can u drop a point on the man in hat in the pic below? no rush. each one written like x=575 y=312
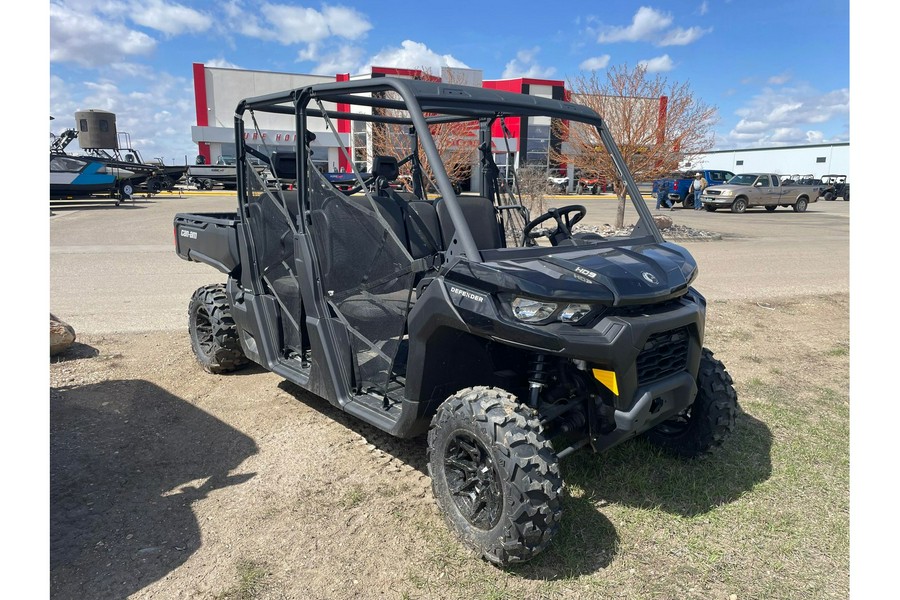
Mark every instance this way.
x=697 y=187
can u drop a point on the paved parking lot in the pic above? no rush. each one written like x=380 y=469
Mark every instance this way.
x=114 y=269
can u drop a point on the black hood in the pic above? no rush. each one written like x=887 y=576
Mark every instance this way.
x=613 y=275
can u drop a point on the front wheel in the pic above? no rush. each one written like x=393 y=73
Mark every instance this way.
x=800 y=205
x=706 y=422
x=739 y=205
x=214 y=335
x=495 y=477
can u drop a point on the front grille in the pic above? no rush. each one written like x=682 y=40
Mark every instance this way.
x=664 y=354
x=712 y=192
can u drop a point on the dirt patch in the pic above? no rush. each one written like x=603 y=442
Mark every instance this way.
x=168 y=482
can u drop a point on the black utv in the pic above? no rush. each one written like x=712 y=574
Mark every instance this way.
x=510 y=341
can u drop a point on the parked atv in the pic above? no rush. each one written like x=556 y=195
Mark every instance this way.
x=834 y=187
x=510 y=341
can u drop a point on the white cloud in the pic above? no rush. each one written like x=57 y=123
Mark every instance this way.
x=653 y=26
x=171 y=19
x=779 y=79
x=683 y=37
x=221 y=63
x=290 y=24
x=88 y=40
x=346 y=59
x=660 y=64
x=525 y=65
x=792 y=115
x=346 y=22
x=414 y=55
x=704 y=8
x=595 y=63
x=645 y=26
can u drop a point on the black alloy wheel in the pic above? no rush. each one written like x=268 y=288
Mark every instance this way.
x=494 y=475
x=473 y=480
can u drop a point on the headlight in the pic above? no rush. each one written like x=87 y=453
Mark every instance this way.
x=532 y=311
x=528 y=310
x=727 y=193
x=573 y=313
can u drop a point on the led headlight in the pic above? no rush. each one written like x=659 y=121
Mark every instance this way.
x=573 y=313
x=532 y=311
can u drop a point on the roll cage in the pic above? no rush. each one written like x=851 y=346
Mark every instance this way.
x=424 y=104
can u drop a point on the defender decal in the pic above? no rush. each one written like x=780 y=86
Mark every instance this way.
x=466 y=294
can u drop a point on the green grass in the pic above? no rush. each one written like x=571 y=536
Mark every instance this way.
x=766 y=516
x=251 y=578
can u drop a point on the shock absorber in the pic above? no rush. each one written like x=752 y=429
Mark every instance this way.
x=538 y=378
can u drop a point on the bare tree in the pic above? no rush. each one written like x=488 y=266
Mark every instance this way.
x=656 y=125
x=456 y=143
x=533 y=187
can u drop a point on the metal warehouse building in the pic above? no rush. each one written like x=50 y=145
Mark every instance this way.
x=812 y=159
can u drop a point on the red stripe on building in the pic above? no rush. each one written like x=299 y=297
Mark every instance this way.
x=661 y=120
x=201 y=107
x=343 y=125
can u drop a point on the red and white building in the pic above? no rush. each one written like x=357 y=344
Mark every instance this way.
x=217 y=92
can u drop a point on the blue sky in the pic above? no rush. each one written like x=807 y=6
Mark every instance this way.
x=778 y=72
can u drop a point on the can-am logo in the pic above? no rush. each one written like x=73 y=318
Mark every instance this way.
x=189 y=234
x=466 y=294
x=650 y=278
x=585 y=272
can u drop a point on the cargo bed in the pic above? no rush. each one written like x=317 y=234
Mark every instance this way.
x=209 y=238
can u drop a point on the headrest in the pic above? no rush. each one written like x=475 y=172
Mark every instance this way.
x=284 y=165
x=385 y=167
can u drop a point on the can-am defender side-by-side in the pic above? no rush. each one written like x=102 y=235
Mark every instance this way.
x=512 y=342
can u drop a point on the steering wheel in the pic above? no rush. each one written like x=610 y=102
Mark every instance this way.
x=564 y=224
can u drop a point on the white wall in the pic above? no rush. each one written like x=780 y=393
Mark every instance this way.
x=226 y=87
x=788 y=160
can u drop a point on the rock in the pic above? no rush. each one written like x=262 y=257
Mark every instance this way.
x=663 y=221
x=62 y=335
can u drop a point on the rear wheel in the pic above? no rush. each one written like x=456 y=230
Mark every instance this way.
x=214 y=336
x=800 y=205
x=154 y=186
x=739 y=205
x=706 y=422
x=495 y=477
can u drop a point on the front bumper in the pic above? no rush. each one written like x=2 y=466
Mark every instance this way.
x=717 y=200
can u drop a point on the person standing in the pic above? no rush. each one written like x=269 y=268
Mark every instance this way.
x=697 y=187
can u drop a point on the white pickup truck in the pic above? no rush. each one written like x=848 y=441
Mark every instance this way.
x=759 y=189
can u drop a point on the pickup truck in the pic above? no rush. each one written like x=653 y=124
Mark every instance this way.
x=680 y=184
x=759 y=189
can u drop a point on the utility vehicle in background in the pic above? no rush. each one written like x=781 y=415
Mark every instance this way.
x=510 y=341
x=834 y=187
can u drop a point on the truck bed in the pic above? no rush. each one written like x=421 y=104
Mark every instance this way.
x=209 y=238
